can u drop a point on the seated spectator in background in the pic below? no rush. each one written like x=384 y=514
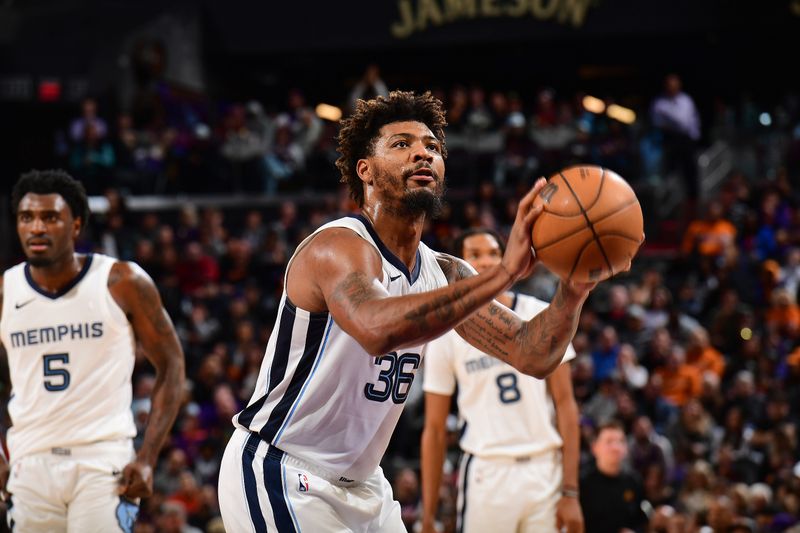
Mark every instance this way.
x=88 y=118
x=92 y=160
x=783 y=316
x=196 y=270
x=173 y=519
x=629 y=372
x=692 y=434
x=701 y=355
x=611 y=497
x=605 y=356
x=711 y=235
x=680 y=382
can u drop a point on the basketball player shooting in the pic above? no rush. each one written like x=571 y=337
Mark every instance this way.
x=362 y=297
x=69 y=325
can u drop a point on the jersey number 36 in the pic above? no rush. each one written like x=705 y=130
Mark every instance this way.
x=395 y=378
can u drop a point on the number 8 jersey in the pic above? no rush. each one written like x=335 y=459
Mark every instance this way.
x=70 y=358
x=503 y=412
x=320 y=396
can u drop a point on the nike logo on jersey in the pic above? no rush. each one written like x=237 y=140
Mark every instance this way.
x=23 y=304
x=394 y=278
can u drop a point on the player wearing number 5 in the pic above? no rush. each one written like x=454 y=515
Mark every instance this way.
x=509 y=434
x=362 y=298
x=69 y=326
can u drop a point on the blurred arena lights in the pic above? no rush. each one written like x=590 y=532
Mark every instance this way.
x=623 y=114
x=746 y=334
x=329 y=112
x=765 y=119
x=593 y=104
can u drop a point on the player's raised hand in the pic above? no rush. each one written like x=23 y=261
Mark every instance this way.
x=518 y=260
x=137 y=480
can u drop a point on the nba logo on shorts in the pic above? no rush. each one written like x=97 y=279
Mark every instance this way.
x=303 y=487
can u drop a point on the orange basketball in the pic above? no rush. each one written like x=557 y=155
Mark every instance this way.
x=591 y=226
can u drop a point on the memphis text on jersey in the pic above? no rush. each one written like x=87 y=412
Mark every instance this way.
x=30 y=337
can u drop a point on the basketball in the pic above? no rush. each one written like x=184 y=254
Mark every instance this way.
x=591 y=226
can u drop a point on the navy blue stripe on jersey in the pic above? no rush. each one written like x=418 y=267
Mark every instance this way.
x=250 y=487
x=273 y=481
x=66 y=288
x=464 y=479
x=388 y=255
x=314 y=334
x=280 y=360
x=514 y=300
x=305 y=385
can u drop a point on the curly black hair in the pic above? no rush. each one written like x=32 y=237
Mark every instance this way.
x=359 y=131
x=53 y=182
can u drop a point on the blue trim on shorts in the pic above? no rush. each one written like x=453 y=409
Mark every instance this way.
x=250 y=486
x=273 y=481
x=463 y=513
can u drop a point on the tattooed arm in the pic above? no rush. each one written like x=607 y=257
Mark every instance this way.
x=341 y=273
x=136 y=294
x=534 y=347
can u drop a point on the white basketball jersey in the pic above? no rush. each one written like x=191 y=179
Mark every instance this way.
x=320 y=396
x=70 y=357
x=503 y=412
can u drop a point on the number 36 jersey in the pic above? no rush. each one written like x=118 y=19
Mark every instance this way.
x=70 y=357
x=320 y=396
x=503 y=412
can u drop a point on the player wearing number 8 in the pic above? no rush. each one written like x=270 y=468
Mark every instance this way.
x=508 y=434
x=69 y=325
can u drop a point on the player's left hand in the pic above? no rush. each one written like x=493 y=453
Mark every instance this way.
x=137 y=480
x=569 y=516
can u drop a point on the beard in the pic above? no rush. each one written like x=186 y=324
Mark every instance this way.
x=418 y=201
x=423 y=202
x=40 y=262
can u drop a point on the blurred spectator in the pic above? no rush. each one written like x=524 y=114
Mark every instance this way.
x=91 y=160
x=173 y=519
x=605 y=356
x=611 y=497
x=88 y=119
x=711 y=235
x=369 y=86
x=676 y=117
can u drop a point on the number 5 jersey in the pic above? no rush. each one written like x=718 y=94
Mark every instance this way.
x=70 y=357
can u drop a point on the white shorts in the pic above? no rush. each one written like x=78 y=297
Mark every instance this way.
x=71 y=489
x=507 y=494
x=264 y=489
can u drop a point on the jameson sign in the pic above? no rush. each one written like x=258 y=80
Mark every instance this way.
x=419 y=15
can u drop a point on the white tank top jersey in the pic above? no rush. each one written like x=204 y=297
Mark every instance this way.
x=503 y=413
x=70 y=357
x=320 y=396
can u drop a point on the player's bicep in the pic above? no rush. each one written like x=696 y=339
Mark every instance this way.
x=492 y=329
x=151 y=324
x=348 y=272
